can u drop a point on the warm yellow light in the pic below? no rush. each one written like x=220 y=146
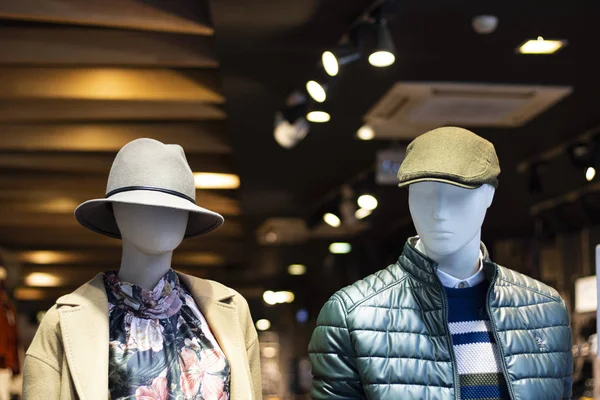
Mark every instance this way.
x=59 y=205
x=362 y=213
x=332 y=220
x=45 y=257
x=590 y=173
x=285 y=297
x=263 y=324
x=42 y=279
x=270 y=297
x=330 y=63
x=3 y=273
x=340 y=248
x=541 y=46
x=29 y=294
x=316 y=91
x=269 y=352
x=368 y=202
x=382 y=59
x=296 y=269
x=365 y=133
x=213 y=180
x=318 y=116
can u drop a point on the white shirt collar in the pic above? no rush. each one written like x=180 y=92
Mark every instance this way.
x=451 y=282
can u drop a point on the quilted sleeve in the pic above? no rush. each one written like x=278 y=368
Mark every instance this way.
x=568 y=381
x=335 y=375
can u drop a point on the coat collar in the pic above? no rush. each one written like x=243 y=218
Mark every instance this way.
x=424 y=269
x=84 y=329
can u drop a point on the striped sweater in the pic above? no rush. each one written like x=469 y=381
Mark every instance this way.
x=477 y=357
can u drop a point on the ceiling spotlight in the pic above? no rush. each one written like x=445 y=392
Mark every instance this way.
x=290 y=125
x=270 y=297
x=296 y=269
x=541 y=46
x=213 y=180
x=362 y=213
x=590 y=174
x=365 y=133
x=383 y=54
x=318 y=116
x=317 y=91
x=340 y=248
x=367 y=202
x=332 y=220
x=344 y=54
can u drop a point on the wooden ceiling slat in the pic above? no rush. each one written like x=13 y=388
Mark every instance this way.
x=200 y=138
x=102 y=47
x=101 y=110
x=121 y=84
x=96 y=163
x=128 y=14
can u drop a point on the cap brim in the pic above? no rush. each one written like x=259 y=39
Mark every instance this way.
x=441 y=180
x=97 y=214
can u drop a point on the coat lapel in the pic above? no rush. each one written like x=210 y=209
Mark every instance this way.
x=215 y=303
x=84 y=328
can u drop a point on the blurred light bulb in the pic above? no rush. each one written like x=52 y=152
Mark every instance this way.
x=318 y=116
x=330 y=63
x=297 y=269
x=332 y=220
x=365 y=133
x=270 y=297
x=590 y=174
x=362 y=213
x=382 y=59
x=367 y=202
x=340 y=248
x=263 y=324
x=316 y=91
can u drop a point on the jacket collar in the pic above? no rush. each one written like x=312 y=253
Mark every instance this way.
x=424 y=269
x=85 y=334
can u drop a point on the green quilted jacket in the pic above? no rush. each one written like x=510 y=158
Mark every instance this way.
x=386 y=336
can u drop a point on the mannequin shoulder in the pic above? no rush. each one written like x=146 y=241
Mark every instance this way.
x=354 y=294
x=524 y=282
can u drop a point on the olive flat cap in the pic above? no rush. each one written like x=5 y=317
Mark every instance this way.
x=450 y=155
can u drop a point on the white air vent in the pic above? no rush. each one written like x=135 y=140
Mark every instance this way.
x=410 y=109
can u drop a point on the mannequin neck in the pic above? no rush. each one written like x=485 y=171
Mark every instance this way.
x=461 y=264
x=142 y=269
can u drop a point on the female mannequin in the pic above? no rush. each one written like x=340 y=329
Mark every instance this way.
x=146 y=331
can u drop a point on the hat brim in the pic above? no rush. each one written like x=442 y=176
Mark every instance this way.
x=441 y=180
x=97 y=215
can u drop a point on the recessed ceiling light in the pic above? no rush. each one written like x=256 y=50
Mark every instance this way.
x=340 y=248
x=213 y=180
x=46 y=257
x=365 y=133
x=296 y=269
x=541 y=46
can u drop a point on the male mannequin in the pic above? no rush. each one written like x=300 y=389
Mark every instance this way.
x=444 y=322
x=146 y=331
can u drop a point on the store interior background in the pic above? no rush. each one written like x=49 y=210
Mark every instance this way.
x=79 y=79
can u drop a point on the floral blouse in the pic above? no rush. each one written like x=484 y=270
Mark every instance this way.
x=161 y=347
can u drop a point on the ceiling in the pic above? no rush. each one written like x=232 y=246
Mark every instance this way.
x=80 y=79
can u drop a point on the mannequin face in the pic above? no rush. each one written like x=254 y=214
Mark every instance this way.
x=447 y=217
x=152 y=230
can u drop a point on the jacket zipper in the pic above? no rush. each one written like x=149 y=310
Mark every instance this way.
x=497 y=337
x=449 y=337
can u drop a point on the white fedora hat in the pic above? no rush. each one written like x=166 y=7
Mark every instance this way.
x=150 y=173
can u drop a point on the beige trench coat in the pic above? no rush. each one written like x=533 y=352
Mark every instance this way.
x=68 y=358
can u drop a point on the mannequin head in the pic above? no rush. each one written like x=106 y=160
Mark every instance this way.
x=446 y=217
x=151 y=230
